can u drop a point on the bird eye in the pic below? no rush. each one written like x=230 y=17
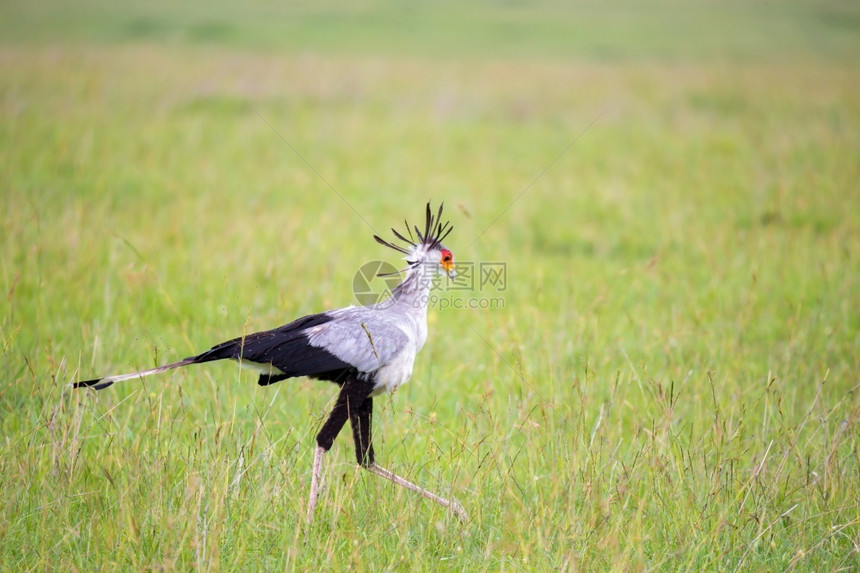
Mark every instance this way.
x=447 y=256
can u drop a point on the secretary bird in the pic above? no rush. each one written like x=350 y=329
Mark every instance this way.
x=365 y=350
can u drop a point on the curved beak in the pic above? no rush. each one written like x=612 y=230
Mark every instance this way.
x=448 y=267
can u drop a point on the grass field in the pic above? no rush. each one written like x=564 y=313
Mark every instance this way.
x=669 y=383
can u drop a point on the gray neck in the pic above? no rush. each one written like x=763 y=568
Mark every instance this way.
x=414 y=291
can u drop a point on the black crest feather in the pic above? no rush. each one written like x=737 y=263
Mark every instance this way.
x=434 y=233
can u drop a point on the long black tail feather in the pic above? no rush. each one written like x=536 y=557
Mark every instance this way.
x=96 y=384
x=102 y=383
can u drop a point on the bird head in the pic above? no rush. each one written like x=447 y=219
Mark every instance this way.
x=428 y=248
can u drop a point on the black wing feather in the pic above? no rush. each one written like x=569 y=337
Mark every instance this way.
x=285 y=350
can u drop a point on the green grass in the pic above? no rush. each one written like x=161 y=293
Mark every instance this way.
x=672 y=382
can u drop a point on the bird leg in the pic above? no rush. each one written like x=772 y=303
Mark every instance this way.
x=315 y=482
x=355 y=404
x=451 y=504
x=360 y=419
x=352 y=394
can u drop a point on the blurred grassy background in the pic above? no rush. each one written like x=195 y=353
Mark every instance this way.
x=672 y=382
x=590 y=29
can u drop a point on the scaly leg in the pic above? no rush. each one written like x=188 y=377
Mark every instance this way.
x=315 y=482
x=451 y=504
